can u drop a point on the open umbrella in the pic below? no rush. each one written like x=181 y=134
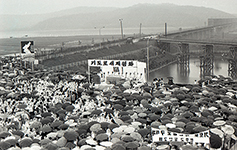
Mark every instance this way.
x=118 y=107
x=71 y=135
x=81 y=132
x=50 y=118
x=45 y=121
x=63 y=126
x=56 y=123
x=144 y=132
x=70 y=108
x=144 y=148
x=101 y=137
x=118 y=147
x=227 y=129
x=51 y=146
x=12 y=142
x=215 y=141
x=125 y=118
x=219 y=123
x=127 y=138
x=104 y=125
x=61 y=142
x=36 y=125
x=91 y=142
x=45 y=114
x=4 y=145
x=155 y=124
x=131 y=145
x=112 y=126
x=70 y=145
x=25 y=142
x=18 y=133
x=4 y=134
x=153 y=117
x=95 y=127
x=136 y=136
x=217 y=132
x=143 y=121
x=83 y=126
x=46 y=129
x=199 y=129
x=96 y=112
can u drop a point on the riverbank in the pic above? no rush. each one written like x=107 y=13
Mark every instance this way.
x=13 y=45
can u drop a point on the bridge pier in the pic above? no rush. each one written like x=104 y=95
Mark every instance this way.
x=232 y=66
x=183 y=59
x=206 y=61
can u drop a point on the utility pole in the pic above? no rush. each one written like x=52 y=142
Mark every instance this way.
x=165 y=29
x=121 y=25
x=147 y=59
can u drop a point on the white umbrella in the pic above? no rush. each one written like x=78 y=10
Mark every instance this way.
x=91 y=142
x=217 y=132
x=227 y=129
x=85 y=147
x=78 y=77
x=219 y=123
x=212 y=108
x=170 y=125
x=97 y=147
x=106 y=144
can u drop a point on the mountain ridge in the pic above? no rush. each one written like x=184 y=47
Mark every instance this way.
x=150 y=15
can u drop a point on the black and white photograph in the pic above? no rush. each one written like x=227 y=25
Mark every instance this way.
x=118 y=75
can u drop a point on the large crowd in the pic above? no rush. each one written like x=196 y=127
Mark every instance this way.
x=61 y=110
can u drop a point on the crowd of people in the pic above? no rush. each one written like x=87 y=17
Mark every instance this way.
x=61 y=110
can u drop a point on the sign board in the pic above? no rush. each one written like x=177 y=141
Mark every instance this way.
x=114 y=63
x=159 y=135
x=124 y=69
x=26 y=47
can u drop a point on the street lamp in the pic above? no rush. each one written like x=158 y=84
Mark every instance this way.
x=100 y=30
x=147 y=60
x=121 y=25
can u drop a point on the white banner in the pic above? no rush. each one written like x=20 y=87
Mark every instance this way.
x=115 y=63
x=193 y=139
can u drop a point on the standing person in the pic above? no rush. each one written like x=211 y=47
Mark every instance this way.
x=161 y=82
x=170 y=80
x=195 y=81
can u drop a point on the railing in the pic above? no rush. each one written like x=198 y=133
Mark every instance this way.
x=83 y=62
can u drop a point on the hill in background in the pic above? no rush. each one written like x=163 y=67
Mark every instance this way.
x=150 y=15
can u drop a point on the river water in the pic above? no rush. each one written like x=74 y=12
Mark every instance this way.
x=220 y=67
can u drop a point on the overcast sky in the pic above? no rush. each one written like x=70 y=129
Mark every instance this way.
x=46 y=6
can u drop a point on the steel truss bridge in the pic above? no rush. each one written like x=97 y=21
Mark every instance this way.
x=202 y=36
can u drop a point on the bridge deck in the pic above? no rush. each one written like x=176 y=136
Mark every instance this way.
x=206 y=42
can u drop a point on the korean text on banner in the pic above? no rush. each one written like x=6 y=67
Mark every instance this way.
x=193 y=139
x=114 y=63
